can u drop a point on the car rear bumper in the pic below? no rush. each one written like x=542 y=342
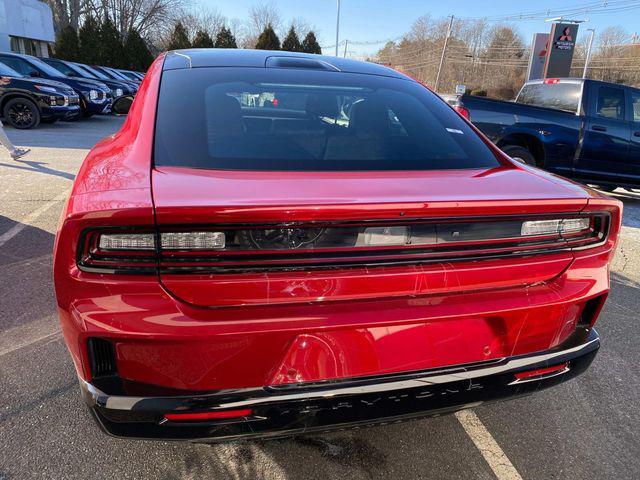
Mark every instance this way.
x=347 y=403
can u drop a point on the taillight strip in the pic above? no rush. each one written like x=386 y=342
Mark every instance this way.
x=238 y=248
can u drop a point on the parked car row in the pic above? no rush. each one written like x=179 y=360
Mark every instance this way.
x=35 y=90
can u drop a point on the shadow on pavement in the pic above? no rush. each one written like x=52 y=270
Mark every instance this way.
x=26 y=290
x=38 y=167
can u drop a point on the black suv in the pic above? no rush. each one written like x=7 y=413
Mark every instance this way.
x=76 y=70
x=95 y=96
x=25 y=102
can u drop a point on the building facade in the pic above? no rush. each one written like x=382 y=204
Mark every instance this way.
x=26 y=26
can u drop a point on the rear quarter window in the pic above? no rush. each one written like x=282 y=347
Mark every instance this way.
x=560 y=96
x=292 y=119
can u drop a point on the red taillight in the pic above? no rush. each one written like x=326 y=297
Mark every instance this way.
x=463 y=111
x=551 y=81
x=205 y=416
x=540 y=373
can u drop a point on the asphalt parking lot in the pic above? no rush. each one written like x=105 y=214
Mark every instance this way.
x=583 y=429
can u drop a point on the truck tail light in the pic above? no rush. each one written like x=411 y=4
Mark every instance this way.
x=233 y=248
x=463 y=111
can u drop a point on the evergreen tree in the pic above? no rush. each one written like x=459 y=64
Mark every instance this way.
x=291 y=43
x=67 y=47
x=136 y=52
x=202 y=40
x=179 y=38
x=89 y=40
x=111 y=52
x=268 y=40
x=310 y=44
x=225 y=39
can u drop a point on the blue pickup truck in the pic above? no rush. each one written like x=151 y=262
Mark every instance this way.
x=582 y=129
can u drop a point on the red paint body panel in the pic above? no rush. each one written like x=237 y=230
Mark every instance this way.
x=211 y=332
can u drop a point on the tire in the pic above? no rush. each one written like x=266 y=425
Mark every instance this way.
x=520 y=154
x=21 y=113
x=84 y=113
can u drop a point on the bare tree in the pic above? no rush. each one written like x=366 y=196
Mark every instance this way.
x=301 y=26
x=238 y=29
x=476 y=55
x=208 y=20
x=262 y=15
x=145 y=16
x=68 y=12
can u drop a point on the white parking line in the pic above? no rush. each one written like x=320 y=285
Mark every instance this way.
x=18 y=227
x=13 y=348
x=502 y=467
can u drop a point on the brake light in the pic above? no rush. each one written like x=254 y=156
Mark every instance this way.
x=463 y=111
x=234 y=248
x=204 y=416
x=540 y=373
x=551 y=81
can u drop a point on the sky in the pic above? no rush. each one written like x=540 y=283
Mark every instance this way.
x=374 y=20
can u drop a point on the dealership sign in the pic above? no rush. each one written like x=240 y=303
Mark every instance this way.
x=539 y=48
x=562 y=42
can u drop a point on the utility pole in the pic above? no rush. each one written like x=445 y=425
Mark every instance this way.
x=444 y=50
x=337 y=26
x=346 y=42
x=588 y=56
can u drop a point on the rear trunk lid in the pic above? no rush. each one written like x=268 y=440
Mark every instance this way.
x=197 y=198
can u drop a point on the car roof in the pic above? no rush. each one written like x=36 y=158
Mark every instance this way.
x=18 y=55
x=233 y=57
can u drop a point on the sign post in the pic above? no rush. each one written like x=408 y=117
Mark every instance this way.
x=539 y=49
x=562 y=42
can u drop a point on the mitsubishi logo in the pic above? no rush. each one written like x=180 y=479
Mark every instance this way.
x=566 y=35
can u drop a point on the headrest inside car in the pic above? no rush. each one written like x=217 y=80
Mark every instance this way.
x=225 y=115
x=322 y=105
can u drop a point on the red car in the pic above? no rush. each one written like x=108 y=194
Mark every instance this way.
x=278 y=243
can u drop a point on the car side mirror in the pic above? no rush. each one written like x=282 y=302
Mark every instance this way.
x=122 y=105
x=34 y=73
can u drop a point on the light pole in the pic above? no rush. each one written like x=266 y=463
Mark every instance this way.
x=444 y=51
x=337 y=25
x=588 y=56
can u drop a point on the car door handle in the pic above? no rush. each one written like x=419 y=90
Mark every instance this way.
x=599 y=128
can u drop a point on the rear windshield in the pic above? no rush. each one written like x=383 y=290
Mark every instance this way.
x=561 y=96
x=293 y=119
